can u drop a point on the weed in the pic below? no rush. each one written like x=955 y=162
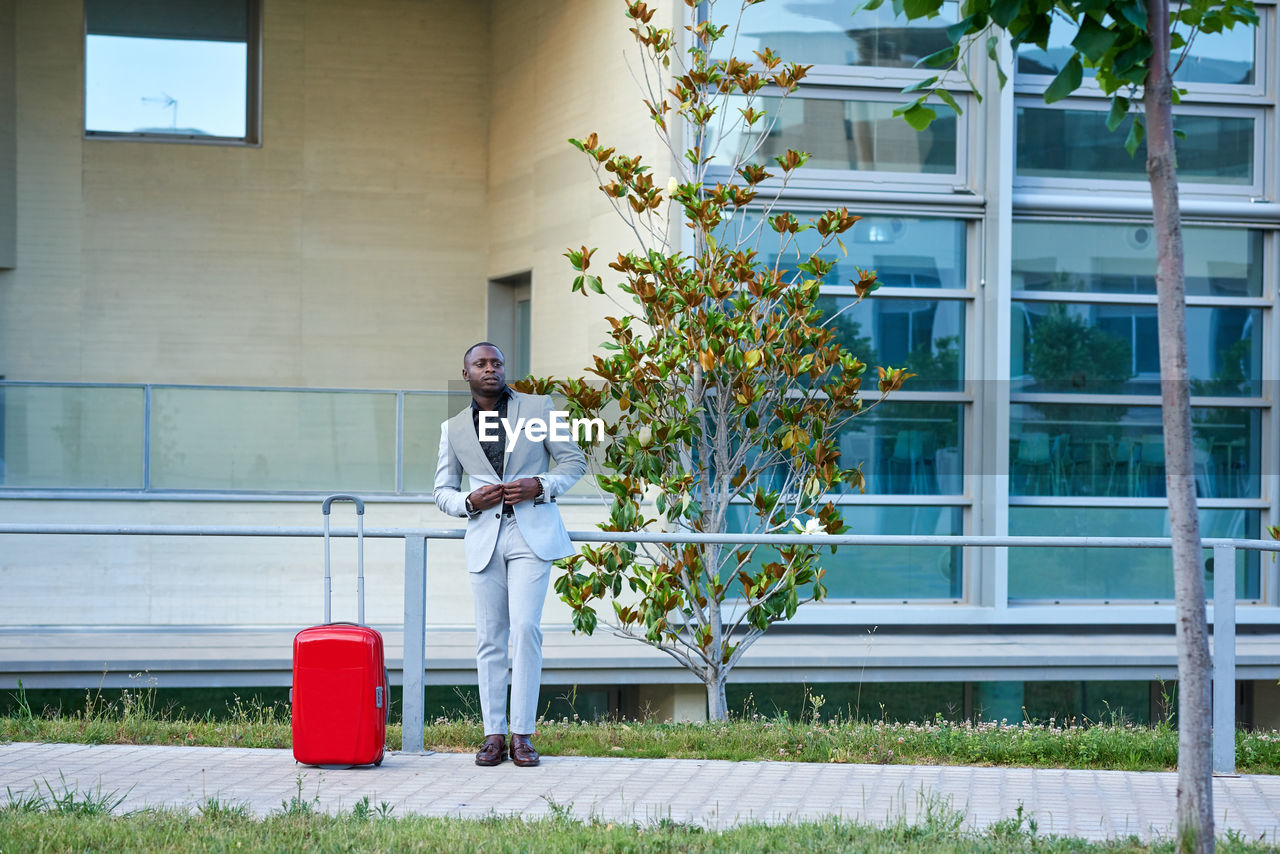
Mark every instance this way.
x=24 y=802
x=299 y=807
x=72 y=801
x=214 y=809
x=1021 y=826
x=559 y=812
x=24 y=707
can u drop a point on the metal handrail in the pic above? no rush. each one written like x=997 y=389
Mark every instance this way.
x=415 y=588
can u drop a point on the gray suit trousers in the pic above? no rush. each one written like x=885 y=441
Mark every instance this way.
x=509 y=593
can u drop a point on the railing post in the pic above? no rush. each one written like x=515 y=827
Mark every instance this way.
x=1224 y=659
x=413 y=702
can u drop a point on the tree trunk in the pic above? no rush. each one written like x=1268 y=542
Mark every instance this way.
x=1195 y=791
x=717 y=705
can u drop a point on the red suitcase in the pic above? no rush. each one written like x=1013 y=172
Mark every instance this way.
x=340 y=694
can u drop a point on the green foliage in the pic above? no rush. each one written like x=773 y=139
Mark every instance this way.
x=816 y=734
x=1109 y=37
x=724 y=381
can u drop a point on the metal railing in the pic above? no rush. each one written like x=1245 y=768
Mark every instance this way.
x=415 y=589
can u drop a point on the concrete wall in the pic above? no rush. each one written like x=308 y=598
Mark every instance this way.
x=8 y=138
x=560 y=70
x=347 y=250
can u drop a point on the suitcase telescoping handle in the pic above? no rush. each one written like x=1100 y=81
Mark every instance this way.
x=328 y=580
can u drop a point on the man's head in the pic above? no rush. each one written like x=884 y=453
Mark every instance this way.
x=484 y=369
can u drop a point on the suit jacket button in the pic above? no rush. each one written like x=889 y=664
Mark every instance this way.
x=497 y=515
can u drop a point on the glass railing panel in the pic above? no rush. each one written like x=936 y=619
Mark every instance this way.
x=278 y=441
x=1140 y=575
x=71 y=437
x=423 y=415
x=883 y=572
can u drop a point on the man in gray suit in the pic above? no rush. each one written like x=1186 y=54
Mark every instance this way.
x=514 y=531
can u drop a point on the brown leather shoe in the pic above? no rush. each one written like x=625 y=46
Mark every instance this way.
x=522 y=752
x=493 y=751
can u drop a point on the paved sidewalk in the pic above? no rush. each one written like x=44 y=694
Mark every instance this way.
x=713 y=793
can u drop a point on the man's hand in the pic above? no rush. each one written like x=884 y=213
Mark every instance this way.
x=484 y=497
x=520 y=490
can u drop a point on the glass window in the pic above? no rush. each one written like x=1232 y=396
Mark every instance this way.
x=1118 y=451
x=1222 y=58
x=1116 y=574
x=1105 y=348
x=182 y=68
x=884 y=572
x=75 y=437
x=1076 y=144
x=926 y=336
x=1120 y=258
x=905 y=252
x=273 y=440
x=825 y=34
x=908 y=448
x=858 y=135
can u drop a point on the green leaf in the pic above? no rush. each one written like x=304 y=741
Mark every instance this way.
x=993 y=44
x=921 y=84
x=940 y=58
x=1004 y=11
x=1136 y=132
x=917 y=115
x=1067 y=81
x=1135 y=12
x=1179 y=134
x=1119 y=109
x=1132 y=58
x=921 y=8
x=1093 y=40
x=949 y=100
x=959 y=28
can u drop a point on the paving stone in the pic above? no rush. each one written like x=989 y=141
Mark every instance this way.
x=1091 y=804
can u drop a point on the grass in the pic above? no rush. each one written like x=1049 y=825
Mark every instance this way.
x=230 y=827
x=133 y=718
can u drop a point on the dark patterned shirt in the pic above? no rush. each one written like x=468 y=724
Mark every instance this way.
x=495 y=448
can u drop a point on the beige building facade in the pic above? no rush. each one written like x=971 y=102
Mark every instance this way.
x=220 y=331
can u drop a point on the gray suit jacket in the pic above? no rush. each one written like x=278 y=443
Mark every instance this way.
x=539 y=518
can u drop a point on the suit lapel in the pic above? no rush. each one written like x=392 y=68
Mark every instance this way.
x=462 y=435
x=513 y=418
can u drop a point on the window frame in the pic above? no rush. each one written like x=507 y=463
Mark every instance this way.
x=253 y=95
